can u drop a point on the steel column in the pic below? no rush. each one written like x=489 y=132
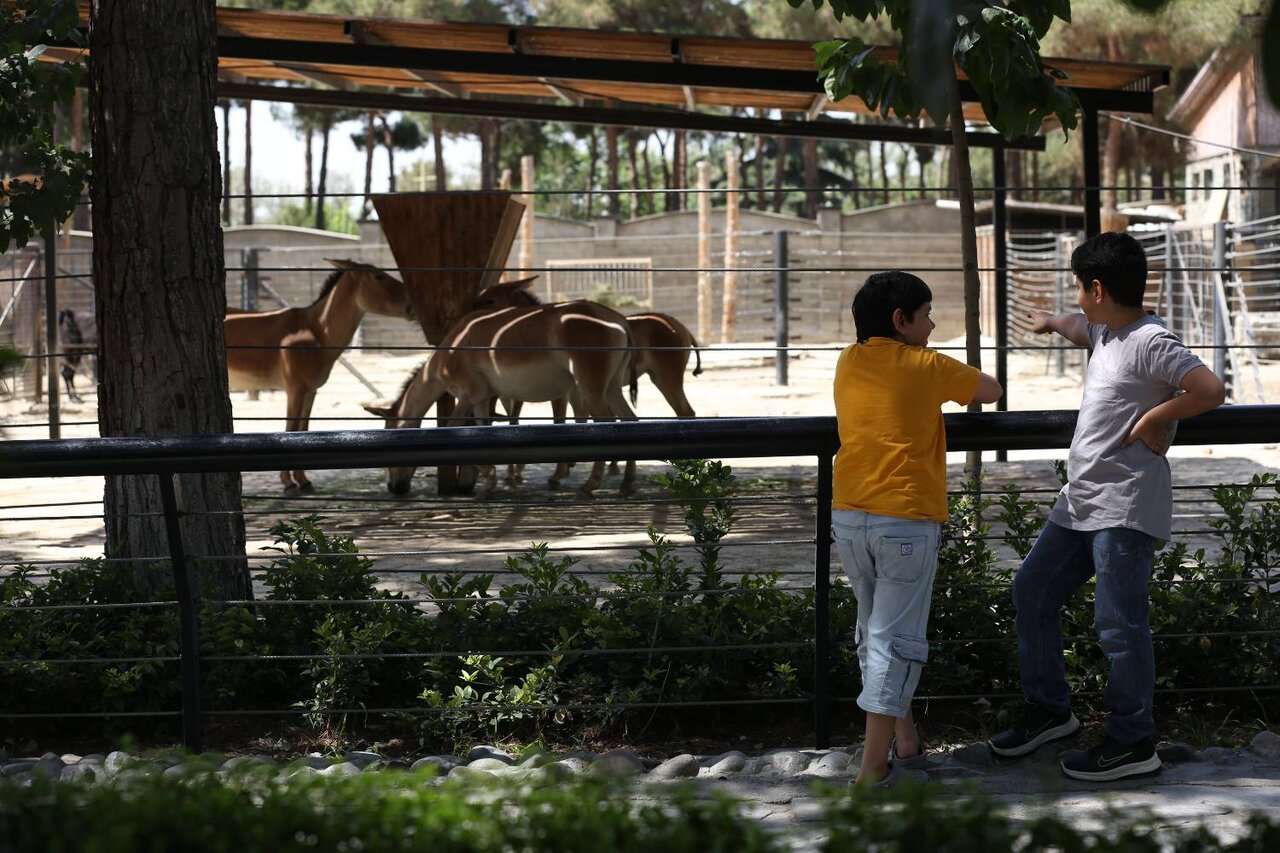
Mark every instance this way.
x=51 y=327
x=781 y=305
x=1092 y=173
x=188 y=624
x=1000 y=227
x=822 y=605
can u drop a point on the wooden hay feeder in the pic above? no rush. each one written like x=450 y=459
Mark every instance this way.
x=449 y=246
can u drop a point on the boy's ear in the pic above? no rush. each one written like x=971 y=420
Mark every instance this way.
x=899 y=319
x=1096 y=290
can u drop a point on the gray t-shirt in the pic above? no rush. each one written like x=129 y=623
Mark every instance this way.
x=1131 y=371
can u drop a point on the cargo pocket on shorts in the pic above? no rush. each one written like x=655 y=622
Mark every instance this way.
x=909 y=656
x=901 y=558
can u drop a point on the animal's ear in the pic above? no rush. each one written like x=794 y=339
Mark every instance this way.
x=341 y=263
x=524 y=283
x=377 y=410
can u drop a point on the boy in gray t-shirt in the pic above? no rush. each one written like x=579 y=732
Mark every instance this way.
x=1109 y=519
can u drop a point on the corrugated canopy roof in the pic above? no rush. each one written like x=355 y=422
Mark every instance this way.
x=363 y=60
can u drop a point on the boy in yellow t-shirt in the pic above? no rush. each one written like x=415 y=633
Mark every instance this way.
x=890 y=498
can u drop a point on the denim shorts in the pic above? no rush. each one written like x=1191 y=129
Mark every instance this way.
x=891 y=564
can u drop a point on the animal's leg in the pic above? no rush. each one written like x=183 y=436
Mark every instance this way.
x=619 y=407
x=672 y=389
x=515 y=473
x=598 y=406
x=308 y=401
x=558 y=408
x=69 y=377
x=480 y=411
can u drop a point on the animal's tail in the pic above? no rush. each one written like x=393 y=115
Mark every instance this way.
x=697 y=354
x=634 y=377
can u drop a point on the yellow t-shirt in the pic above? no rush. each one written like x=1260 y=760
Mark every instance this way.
x=892 y=458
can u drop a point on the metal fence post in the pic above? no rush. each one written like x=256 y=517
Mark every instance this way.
x=51 y=327
x=1219 y=303
x=188 y=624
x=782 y=304
x=822 y=605
x=249 y=279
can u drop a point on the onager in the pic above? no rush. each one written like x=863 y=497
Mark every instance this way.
x=569 y=350
x=295 y=348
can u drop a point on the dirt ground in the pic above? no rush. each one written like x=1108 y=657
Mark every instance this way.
x=52 y=521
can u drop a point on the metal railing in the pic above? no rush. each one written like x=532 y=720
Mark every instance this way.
x=168 y=458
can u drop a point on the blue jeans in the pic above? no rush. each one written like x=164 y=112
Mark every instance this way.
x=890 y=563
x=1060 y=563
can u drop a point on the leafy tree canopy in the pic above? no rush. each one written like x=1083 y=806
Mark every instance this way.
x=30 y=87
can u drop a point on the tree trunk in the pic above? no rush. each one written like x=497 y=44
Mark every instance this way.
x=884 y=171
x=855 y=178
x=591 y=171
x=611 y=205
x=682 y=170
x=80 y=218
x=308 y=186
x=437 y=148
x=811 y=194
x=226 y=162
x=160 y=282
x=968 y=252
x=779 y=172
x=635 y=175
x=486 y=155
x=389 y=140
x=760 y=197
x=248 y=162
x=668 y=199
x=495 y=153
x=1157 y=183
x=326 y=126
x=366 y=205
x=650 y=200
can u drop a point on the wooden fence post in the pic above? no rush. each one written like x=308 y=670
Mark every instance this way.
x=729 y=304
x=704 y=250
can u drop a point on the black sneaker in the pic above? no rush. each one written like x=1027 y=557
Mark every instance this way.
x=1034 y=727
x=1112 y=760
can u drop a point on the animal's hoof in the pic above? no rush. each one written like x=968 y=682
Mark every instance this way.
x=627 y=489
x=553 y=485
x=308 y=487
x=513 y=481
x=586 y=493
x=292 y=490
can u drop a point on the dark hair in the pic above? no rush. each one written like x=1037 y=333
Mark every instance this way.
x=880 y=296
x=1118 y=261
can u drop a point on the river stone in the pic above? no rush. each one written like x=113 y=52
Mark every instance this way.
x=618 y=762
x=363 y=758
x=314 y=760
x=442 y=763
x=117 y=761
x=787 y=761
x=48 y=765
x=1266 y=744
x=342 y=768
x=538 y=758
x=1220 y=755
x=79 y=773
x=494 y=764
x=831 y=763
x=485 y=750
x=728 y=762
x=175 y=771
x=573 y=764
x=238 y=764
x=93 y=758
x=301 y=771
x=679 y=767
x=975 y=755
x=1178 y=753
x=17 y=768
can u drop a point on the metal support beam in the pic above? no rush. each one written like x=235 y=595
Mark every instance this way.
x=816 y=107
x=1092 y=173
x=360 y=33
x=1000 y=230
x=188 y=620
x=781 y=306
x=617 y=116
x=51 y=344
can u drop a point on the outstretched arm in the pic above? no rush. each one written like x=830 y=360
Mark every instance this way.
x=1073 y=327
x=1202 y=391
x=989 y=389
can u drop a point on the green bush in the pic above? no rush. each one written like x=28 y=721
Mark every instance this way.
x=262 y=809
x=486 y=662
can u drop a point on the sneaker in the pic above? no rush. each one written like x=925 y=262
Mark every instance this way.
x=1035 y=727
x=919 y=761
x=896 y=777
x=1112 y=760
